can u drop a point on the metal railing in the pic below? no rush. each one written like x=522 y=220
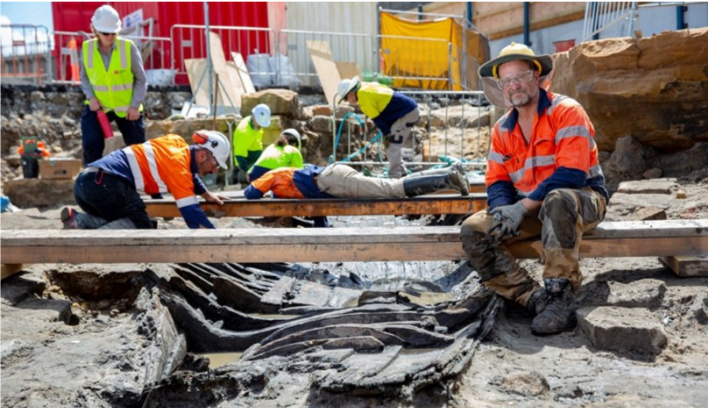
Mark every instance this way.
x=155 y=53
x=189 y=42
x=599 y=16
x=25 y=54
x=414 y=60
x=472 y=108
x=347 y=47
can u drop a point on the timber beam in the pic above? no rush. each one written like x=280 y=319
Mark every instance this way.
x=609 y=239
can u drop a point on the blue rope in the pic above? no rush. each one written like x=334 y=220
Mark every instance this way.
x=378 y=137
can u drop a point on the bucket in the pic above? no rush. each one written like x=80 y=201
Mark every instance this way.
x=30 y=167
x=563 y=45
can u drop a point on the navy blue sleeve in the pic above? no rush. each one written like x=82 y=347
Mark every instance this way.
x=242 y=163
x=252 y=193
x=194 y=217
x=382 y=125
x=500 y=193
x=563 y=177
x=199 y=187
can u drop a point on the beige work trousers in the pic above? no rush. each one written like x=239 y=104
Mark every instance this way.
x=340 y=180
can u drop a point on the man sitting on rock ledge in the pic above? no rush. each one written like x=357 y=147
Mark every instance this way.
x=544 y=179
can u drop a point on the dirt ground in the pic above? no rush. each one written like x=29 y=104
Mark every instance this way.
x=60 y=352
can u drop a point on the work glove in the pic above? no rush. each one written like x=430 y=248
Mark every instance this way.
x=507 y=220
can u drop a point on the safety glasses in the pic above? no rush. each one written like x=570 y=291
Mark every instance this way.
x=108 y=34
x=519 y=79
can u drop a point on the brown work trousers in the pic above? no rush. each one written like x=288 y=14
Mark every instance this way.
x=561 y=221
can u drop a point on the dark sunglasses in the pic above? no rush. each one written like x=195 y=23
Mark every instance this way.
x=107 y=34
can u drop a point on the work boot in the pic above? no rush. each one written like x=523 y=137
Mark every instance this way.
x=73 y=219
x=415 y=186
x=537 y=302
x=559 y=313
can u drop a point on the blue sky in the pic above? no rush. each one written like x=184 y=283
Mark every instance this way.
x=25 y=12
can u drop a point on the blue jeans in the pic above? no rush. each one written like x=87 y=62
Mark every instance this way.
x=110 y=197
x=133 y=132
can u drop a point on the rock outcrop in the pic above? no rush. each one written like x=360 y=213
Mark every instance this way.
x=651 y=88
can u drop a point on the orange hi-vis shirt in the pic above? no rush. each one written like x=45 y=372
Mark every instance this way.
x=562 y=136
x=162 y=165
x=280 y=181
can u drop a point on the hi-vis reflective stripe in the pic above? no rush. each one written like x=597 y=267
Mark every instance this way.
x=572 y=131
x=123 y=57
x=183 y=202
x=100 y=88
x=135 y=169
x=121 y=108
x=595 y=171
x=125 y=87
x=556 y=101
x=122 y=52
x=531 y=162
x=91 y=52
x=496 y=157
x=150 y=156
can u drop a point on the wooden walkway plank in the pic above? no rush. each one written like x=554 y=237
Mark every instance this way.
x=423 y=205
x=610 y=239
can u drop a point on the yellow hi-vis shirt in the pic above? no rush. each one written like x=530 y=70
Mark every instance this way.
x=373 y=98
x=113 y=87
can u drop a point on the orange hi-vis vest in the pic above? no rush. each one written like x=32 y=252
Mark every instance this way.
x=562 y=136
x=162 y=165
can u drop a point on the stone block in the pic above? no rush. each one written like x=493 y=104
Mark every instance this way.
x=623 y=329
x=280 y=101
x=642 y=293
x=17 y=288
x=25 y=193
x=654 y=186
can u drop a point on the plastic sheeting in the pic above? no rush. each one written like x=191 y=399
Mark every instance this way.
x=435 y=49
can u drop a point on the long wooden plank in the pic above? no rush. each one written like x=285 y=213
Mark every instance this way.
x=9 y=270
x=628 y=239
x=243 y=73
x=195 y=69
x=687 y=266
x=427 y=205
x=228 y=91
x=325 y=66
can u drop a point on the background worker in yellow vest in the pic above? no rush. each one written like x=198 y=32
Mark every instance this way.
x=394 y=114
x=284 y=152
x=248 y=141
x=113 y=79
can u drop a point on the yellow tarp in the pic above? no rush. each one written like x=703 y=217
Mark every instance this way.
x=420 y=52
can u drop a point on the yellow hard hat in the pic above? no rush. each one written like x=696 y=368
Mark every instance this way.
x=512 y=52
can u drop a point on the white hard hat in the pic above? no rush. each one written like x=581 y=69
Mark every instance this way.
x=346 y=86
x=215 y=142
x=295 y=133
x=106 y=20
x=261 y=113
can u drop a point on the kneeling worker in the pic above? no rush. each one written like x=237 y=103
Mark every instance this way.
x=339 y=180
x=108 y=190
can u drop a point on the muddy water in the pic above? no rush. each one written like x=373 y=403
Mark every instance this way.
x=220 y=359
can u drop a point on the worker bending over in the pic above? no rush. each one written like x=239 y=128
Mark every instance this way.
x=393 y=113
x=248 y=141
x=284 y=152
x=108 y=190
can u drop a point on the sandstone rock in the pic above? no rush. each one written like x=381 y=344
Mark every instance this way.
x=623 y=329
x=681 y=194
x=280 y=101
x=628 y=161
x=321 y=124
x=656 y=186
x=653 y=173
x=527 y=383
x=325 y=110
x=26 y=193
x=187 y=127
x=652 y=88
x=643 y=293
x=459 y=116
x=681 y=163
